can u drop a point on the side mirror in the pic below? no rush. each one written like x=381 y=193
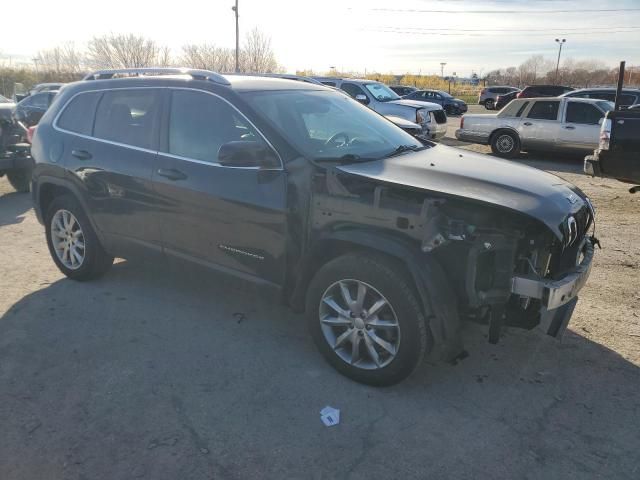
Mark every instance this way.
x=362 y=98
x=245 y=153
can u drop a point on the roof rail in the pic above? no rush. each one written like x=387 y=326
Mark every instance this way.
x=195 y=73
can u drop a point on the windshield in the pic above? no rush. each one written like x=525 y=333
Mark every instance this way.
x=326 y=125
x=381 y=92
x=606 y=106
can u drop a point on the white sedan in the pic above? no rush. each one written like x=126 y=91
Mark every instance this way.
x=545 y=124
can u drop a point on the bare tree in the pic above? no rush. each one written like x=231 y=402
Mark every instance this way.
x=125 y=51
x=208 y=57
x=257 y=55
x=61 y=60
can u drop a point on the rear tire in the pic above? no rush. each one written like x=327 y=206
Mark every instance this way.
x=20 y=180
x=72 y=242
x=505 y=144
x=390 y=339
x=489 y=104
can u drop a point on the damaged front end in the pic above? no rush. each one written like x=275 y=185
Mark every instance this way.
x=508 y=270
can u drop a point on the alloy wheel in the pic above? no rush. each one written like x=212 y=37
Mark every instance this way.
x=68 y=239
x=359 y=324
x=505 y=143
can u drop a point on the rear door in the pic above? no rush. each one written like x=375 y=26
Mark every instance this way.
x=539 y=128
x=231 y=218
x=580 y=128
x=113 y=156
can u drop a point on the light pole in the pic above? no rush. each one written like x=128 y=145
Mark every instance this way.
x=442 y=64
x=560 y=42
x=235 y=9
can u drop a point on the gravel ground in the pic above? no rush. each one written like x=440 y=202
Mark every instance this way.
x=168 y=372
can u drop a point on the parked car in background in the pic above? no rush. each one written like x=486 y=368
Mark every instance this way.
x=385 y=243
x=40 y=87
x=30 y=110
x=453 y=106
x=547 y=124
x=377 y=96
x=618 y=153
x=503 y=100
x=15 y=160
x=403 y=90
x=629 y=97
x=489 y=95
x=533 y=91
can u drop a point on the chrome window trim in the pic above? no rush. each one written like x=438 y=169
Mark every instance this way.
x=158 y=151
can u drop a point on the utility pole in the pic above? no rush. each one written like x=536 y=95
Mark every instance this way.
x=560 y=42
x=442 y=64
x=235 y=9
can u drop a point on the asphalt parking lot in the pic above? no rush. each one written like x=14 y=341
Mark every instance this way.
x=167 y=372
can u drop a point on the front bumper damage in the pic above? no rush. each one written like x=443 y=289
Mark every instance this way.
x=558 y=297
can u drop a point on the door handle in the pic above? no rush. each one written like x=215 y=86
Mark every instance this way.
x=81 y=154
x=527 y=124
x=171 y=174
x=570 y=127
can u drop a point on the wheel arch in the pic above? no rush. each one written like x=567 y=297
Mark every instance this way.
x=49 y=188
x=504 y=129
x=429 y=281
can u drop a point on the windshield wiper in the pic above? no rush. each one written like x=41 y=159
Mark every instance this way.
x=403 y=149
x=349 y=157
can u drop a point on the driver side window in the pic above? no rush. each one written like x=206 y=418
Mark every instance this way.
x=199 y=124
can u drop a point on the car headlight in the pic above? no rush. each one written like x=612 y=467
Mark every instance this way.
x=422 y=116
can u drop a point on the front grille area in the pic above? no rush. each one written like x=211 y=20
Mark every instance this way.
x=440 y=116
x=564 y=258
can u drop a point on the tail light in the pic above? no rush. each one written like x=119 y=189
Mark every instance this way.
x=519 y=95
x=462 y=122
x=483 y=91
x=605 y=134
x=30 y=133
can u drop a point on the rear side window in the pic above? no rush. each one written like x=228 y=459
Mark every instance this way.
x=513 y=109
x=544 y=110
x=78 y=116
x=199 y=124
x=578 y=112
x=128 y=116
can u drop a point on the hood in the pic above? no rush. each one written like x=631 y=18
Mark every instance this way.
x=453 y=172
x=416 y=104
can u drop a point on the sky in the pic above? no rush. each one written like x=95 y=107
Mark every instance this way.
x=412 y=36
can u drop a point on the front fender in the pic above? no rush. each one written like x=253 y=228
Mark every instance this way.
x=437 y=296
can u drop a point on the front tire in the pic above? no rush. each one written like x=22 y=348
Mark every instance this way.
x=505 y=144
x=20 y=180
x=365 y=319
x=489 y=104
x=72 y=242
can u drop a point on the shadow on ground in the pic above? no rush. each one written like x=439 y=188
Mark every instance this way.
x=173 y=373
x=13 y=206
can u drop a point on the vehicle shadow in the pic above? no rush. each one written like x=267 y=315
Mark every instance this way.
x=172 y=372
x=13 y=206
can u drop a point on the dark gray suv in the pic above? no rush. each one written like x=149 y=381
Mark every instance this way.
x=385 y=242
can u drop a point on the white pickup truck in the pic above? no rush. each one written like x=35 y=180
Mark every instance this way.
x=546 y=124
